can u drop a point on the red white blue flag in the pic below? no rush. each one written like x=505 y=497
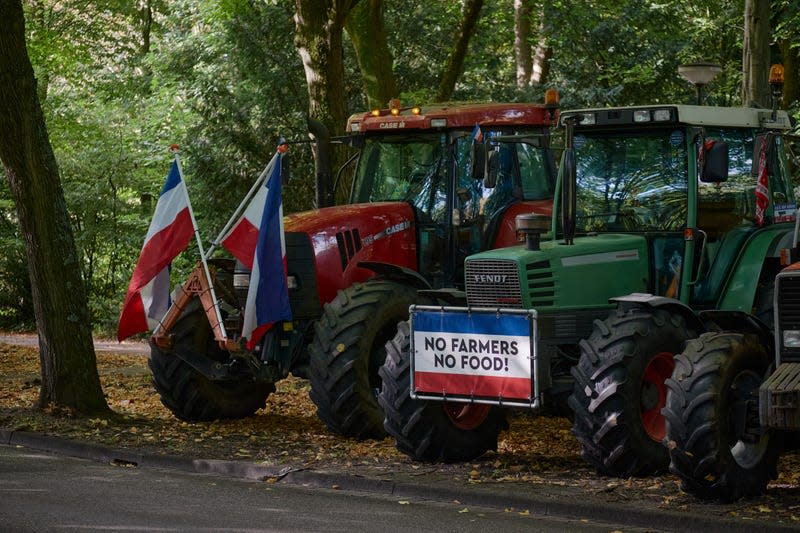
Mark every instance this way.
x=170 y=231
x=477 y=134
x=268 y=294
x=762 y=184
x=242 y=238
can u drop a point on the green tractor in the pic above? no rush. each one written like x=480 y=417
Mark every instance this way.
x=664 y=212
x=733 y=401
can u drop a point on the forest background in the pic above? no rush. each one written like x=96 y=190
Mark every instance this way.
x=121 y=81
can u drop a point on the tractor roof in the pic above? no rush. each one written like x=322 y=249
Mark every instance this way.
x=656 y=115
x=453 y=115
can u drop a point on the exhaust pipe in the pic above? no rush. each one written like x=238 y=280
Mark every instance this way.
x=322 y=162
x=569 y=182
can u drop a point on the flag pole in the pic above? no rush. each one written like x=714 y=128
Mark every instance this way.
x=174 y=149
x=243 y=205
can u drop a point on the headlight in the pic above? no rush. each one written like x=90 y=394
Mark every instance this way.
x=661 y=115
x=791 y=338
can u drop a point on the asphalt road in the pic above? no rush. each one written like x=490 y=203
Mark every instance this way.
x=43 y=492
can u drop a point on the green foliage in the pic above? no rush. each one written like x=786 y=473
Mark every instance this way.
x=16 y=306
x=629 y=51
x=236 y=68
x=223 y=80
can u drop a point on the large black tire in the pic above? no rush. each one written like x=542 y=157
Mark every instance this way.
x=185 y=391
x=619 y=390
x=347 y=351
x=431 y=430
x=715 y=444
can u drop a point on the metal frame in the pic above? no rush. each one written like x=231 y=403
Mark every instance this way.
x=534 y=401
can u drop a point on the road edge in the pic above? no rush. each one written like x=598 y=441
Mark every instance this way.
x=555 y=501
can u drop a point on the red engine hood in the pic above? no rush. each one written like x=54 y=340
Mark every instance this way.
x=341 y=236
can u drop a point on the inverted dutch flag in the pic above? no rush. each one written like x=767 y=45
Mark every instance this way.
x=268 y=294
x=477 y=134
x=169 y=234
x=242 y=238
x=762 y=184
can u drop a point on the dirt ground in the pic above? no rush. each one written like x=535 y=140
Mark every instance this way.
x=287 y=433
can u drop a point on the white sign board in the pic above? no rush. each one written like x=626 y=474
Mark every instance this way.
x=473 y=354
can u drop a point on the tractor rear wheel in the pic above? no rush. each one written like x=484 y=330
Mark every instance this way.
x=186 y=392
x=619 y=390
x=347 y=351
x=716 y=445
x=430 y=430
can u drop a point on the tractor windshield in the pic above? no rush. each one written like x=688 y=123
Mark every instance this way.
x=634 y=181
x=414 y=168
x=524 y=170
x=398 y=168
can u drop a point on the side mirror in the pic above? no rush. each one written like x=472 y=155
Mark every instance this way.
x=478 y=169
x=352 y=141
x=492 y=169
x=715 y=167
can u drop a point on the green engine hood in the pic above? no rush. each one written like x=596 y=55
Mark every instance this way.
x=558 y=276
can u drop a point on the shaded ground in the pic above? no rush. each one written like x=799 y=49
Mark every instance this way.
x=286 y=433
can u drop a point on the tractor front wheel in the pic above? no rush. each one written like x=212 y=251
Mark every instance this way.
x=347 y=351
x=189 y=394
x=716 y=445
x=619 y=390
x=430 y=430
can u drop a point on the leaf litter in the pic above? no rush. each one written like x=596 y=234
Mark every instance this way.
x=537 y=452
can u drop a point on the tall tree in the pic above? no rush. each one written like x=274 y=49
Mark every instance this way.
x=522 y=44
x=455 y=62
x=791 y=64
x=532 y=61
x=367 y=31
x=318 y=37
x=787 y=34
x=755 y=53
x=146 y=24
x=67 y=358
x=320 y=24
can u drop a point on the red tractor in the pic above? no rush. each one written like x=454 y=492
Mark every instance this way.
x=421 y=201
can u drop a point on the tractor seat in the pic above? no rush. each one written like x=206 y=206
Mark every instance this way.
x=718 y=218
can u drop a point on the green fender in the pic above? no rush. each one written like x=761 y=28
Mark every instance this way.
x=740 y=291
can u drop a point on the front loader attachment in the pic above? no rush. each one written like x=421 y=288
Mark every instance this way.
x=196 y=285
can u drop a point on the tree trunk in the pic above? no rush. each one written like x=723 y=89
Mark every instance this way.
x=319 y=41
x=755 y=54
x=69 y=368
x=455 y=62
x=146 y=22
x=522 y=44
x=540 y=70
x=318 y=37
x=533 y=64
x=365 y=26
x=791 y=65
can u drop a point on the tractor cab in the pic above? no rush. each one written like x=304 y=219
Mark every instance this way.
x=459 y=175
x=695 y=183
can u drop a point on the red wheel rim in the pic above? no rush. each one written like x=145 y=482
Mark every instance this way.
x=466 y=416
x=654 y=394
